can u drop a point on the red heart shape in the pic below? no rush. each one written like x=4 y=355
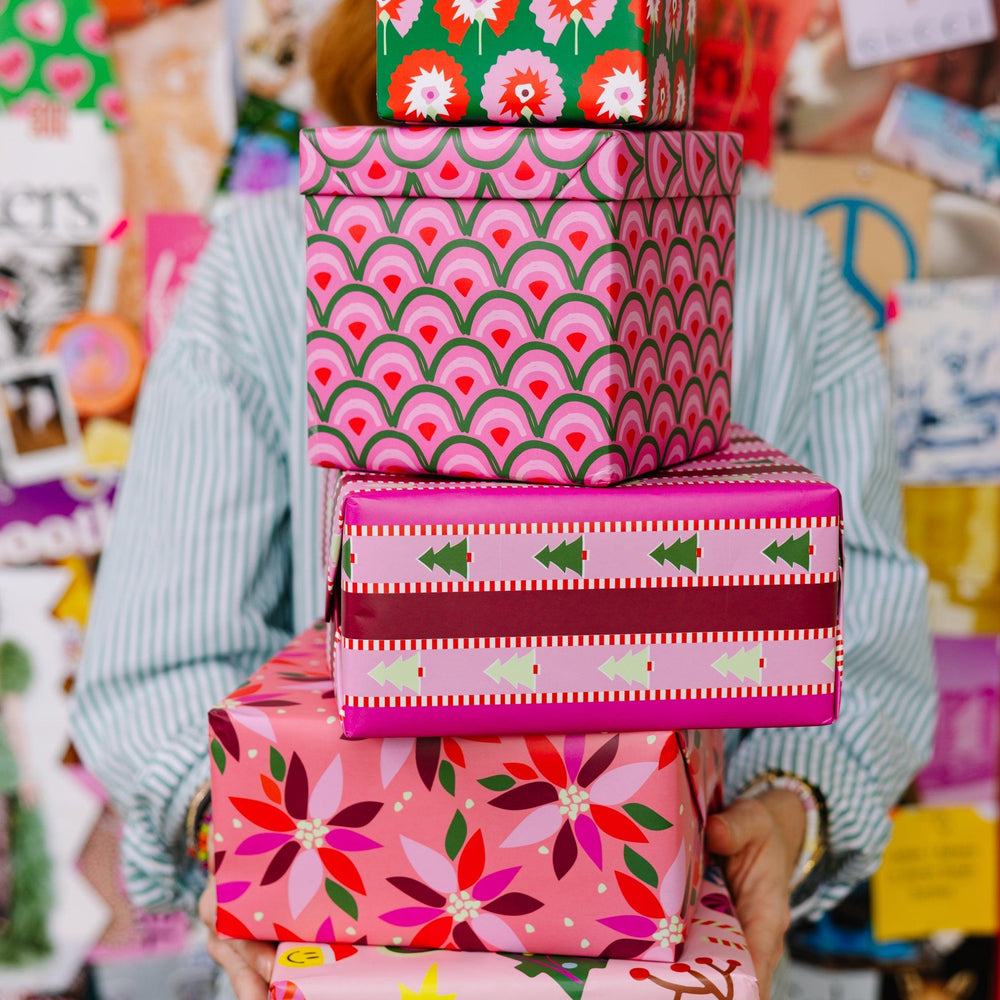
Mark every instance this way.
x=678 y=282
x=578 y=239
x=576 y=340
x=538 y=289
x=612 y=391
x=427 y=430
x=538 y=388
x=322 y=375
x=463 y=286
x=633 y=238
x=614 y=290
x=691 y=420
x=428 y=333
x=622 y=163
x=524 y=171
x=357 y=424
x=322 y=279
x=650 y=285
x=376 y=171
x=357 y=232
x=449 y=171
x=464 y=383
x=357 y=328
x=576 y=440
x=630 y=436
x=695 y=326
x=392 y=379
x=428 y=234
x=502 y=237
x=501 y=337
x=678 y=377
x=647 y=383
x=500 y=435
x=392 y=282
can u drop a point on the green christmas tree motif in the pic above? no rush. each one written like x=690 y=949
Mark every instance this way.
x=746 y=665
x=683 y=553
x=570 y=973
x=345 y=558
x=452 y=558
x=518 y=670
x=404 y=672
x=633 y=668
x=794 y=551
x=566 y=556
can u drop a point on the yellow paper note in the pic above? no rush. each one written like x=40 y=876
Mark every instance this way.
x=939 y=873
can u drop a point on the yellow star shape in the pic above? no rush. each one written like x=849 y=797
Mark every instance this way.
x=428 y=988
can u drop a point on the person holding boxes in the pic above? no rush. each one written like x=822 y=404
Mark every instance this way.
x=184 y=614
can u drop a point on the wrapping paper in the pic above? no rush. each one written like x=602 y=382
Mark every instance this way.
x=706 y=596
x=506 y=303
x=608 y=62
x=570 y=844
x=715 y=963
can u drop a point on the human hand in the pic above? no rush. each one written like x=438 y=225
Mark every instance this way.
x=760 y=840
x=246 y=963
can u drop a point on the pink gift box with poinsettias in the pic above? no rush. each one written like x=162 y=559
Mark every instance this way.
x=550 y=305
x=547 y=62
x=571 y=844
x=706 y=595
x=716 y=963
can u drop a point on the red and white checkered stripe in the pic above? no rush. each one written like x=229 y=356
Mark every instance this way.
x=590 y=527
x=581 y=583
x=584 y=697
x=548 y=641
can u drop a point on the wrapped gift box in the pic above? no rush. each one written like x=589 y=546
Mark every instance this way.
x=609 y=62
x=550 y=305
x=715 y=963
x=708 y=595
x=568 y=844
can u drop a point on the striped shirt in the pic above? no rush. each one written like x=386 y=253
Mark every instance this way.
x=214 y=557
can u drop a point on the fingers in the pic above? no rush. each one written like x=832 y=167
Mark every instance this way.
x=247 y=964
x=737 y=827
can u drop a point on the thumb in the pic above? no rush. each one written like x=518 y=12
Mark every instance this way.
x=736 y=827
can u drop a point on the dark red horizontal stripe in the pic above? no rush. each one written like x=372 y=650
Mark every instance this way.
x=589 y=612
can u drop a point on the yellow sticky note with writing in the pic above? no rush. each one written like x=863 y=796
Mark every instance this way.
x=939 y=873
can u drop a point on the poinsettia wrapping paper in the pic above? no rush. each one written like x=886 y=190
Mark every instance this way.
x=543 y=62
x=707 y=595
x=571 y=844
x=716 y=964
x=549 y=305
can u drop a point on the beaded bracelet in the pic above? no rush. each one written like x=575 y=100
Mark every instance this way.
x=198 y=825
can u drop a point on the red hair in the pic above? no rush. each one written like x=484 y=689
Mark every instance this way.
x=342 y=62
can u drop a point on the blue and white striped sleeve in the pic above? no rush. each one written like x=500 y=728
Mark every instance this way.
x=193 y=589
x=864 y=761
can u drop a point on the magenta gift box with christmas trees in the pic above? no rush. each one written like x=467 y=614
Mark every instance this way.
x=570 y=844
x=545 y=305
x=708 y=595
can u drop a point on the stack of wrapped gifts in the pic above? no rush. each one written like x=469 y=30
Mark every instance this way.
x=556 y=569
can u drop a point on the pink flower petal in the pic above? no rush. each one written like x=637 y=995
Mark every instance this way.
x=393 y=756
x=539 y=824
x=226 y=892
x=261 y=843
x=589 y=838
x=326 y=793
x=674 y=885
x=435 y=869
x=621 y=783
x=410 y=916
x=490 y=886
x=630 y=924
x=492 y=931
x=304 y=878
x=573 y=754
x=350 y=840
x=253 y=719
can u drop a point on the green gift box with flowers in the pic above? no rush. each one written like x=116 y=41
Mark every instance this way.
x=538 y=62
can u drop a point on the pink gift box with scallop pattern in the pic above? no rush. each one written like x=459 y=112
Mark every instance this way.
x=586 y=845
x=549 y=305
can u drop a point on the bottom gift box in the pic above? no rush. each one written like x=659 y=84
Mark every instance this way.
x=715 y=963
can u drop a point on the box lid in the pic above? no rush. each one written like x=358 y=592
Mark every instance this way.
x=492 y=161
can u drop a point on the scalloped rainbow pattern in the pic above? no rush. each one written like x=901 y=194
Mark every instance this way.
x=557 y=341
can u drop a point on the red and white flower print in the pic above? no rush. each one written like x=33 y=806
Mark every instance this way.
x=662 y=91
x=401 y=14
x=552 y=16
x=457 y=16
x=614 y=88
x=680 y=93
x=648 y=16
x=675 y=20
x=692 y=20
x=428 y=86
x=523 y=86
